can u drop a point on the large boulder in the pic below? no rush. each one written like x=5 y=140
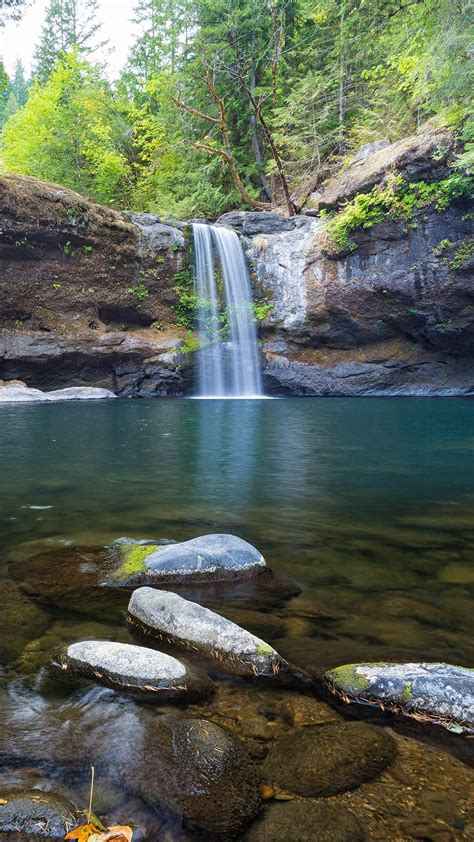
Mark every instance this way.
x=322 y=761
x=20 y=393
x=209 y=558
x=34 y=815
x=20 y=621
x=426 y=155
x=434 y=693
x=133 y=669
x=167 y=616
x=306 y=822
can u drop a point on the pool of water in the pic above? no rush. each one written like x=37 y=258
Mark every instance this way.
x=367 y=504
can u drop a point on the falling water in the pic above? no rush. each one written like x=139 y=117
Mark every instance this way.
x=225 y=369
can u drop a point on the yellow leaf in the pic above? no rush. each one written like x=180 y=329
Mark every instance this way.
x=3 y=801
x=116 y=833
x=82 y=833
x=266 y=791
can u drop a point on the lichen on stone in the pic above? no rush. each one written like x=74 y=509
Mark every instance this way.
x=133 y=558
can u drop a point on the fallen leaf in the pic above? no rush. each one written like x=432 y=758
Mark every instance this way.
x=90 y=833
x=3 y=801
x=266 y=791
x=82 y=833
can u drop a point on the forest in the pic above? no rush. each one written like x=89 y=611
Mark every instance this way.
x=225 y=104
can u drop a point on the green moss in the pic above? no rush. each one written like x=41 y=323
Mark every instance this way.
x=348 y=678
x=133 y=559
x=264 y=649
x=407 y=691
x=398 y=201
x=463 y=253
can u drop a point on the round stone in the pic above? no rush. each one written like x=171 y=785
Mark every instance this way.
x=322 y=761
x=296 y=820
x=134 y=668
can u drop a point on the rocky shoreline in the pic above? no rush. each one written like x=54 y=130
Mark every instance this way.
x=211 y=765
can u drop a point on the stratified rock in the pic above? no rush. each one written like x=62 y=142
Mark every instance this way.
x=326 y=760
x=32 y=815
x=20 y=621
x=16 y=393
x=212 y=558
x=437 y=693
x=249 y=223
x=167 y=616
x=133 y=669
x=306 y=822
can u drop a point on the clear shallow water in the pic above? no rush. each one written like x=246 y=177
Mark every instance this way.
x=366 y=504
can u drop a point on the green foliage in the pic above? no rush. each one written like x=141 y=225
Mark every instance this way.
x=69 y=25
x=463 y=254
x=68 y=133
x=399 y=200
x=140 y=291
x=261 y=311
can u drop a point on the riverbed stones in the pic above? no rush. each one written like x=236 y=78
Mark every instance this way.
x=20 y=620
x=167 y=616
x=438 y=693
x=209 y=558
x=30 y=815
x=306 y=822
x=134 y=669
x=322 y=761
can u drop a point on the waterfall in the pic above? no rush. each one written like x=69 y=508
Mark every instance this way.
x=225 y=369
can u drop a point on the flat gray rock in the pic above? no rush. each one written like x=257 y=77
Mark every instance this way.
x=169 y=617
x=132 y=668
x=214 y=557
x=17 y=393
x=442 y=694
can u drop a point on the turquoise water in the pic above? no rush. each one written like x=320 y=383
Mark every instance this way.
x=357 y=500
x=367 y=504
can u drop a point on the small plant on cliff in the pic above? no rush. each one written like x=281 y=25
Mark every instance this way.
x=398 y=200
x=463 y=253
x=140 y=291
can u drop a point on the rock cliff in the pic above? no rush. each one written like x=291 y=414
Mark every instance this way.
x=87 y=293
x=392 y=314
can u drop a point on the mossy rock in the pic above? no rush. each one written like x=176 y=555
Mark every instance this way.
x=21 y=620
x=305 y=822
x=327 y=760
x=31 y=815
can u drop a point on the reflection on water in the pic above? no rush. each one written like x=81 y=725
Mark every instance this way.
x=367 y=504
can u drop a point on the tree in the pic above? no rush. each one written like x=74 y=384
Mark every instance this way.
x=165 y=25
x=10 y=9
x=70 y=132
x=69 y=24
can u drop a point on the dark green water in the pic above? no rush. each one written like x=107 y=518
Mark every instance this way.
x=354 y=499
x=366 y=504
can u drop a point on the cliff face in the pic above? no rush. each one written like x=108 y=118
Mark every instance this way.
x=87 y=293
x=393 y=316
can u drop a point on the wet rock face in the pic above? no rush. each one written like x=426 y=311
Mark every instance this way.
x=133 y=669
x=81 y=286
x=250 y=223
x=305 y=822
x=323 y=761
x=436 y=693
x=20 y=620
x=207 y=558
x=169 y=617
x=28 y=816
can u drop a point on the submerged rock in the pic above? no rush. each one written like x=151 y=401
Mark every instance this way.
x=207 y=558
x=20 y=620
x=20 y=393
x=134 y=669
x=30 y=815
x=305 y=822
x=327 y=760
x=167 y=616
x=438 y=693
